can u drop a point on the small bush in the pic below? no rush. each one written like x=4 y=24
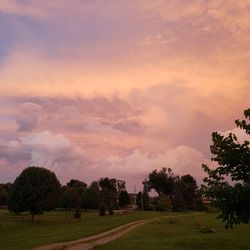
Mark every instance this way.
x=111 y=209
x=77 y=214
x=102 y=209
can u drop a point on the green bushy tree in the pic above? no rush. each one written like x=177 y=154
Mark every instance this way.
x=35 y=190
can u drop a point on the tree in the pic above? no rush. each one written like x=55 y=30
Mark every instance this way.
x=229 y=183
x=70 y=199
x=79 y=186
x=4 y=190
x=90 y=198
x=189 y=190
x=124 y=198
x=35 y=190
x=102 y=208
x=110 y=189
x=177 y=197
x=111 y=208
x=95 y=186
x=142 y=199
x=77 y=214
x=162 y=203
x=162 y=182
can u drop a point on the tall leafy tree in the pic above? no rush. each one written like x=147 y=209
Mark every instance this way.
x=4 y=190
x=79 y=186
x=189 y=190
x=90 y=198
x=177 y=197
x=110 y=189
x=35 y=190
x=229 y=184
x=70 y=199
x=161 y=181
x=142 y=198
x=124 y=198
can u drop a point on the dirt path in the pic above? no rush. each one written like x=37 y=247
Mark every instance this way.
x=66 y=245
x=88 y=243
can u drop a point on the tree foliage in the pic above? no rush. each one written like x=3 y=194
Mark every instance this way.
x=4 y=190
x=229 y=183
x=110 y=189
x=90 y=198
x=162 y=182
x=182 y=191
x=79 y=186
x=142 y=199
x=124 y=198
x=189 y=191
x=162 y=203
x=103 y=208
x=177 y=197
x=35 y=190
x=70 y=198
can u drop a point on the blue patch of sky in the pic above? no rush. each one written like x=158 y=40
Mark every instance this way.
x=60 y=36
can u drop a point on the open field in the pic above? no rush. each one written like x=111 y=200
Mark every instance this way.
x=19 y=232
x=183 y=234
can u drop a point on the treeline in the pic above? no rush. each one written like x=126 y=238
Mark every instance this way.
x=175 y=193
x=109 y=193
x=37 y=190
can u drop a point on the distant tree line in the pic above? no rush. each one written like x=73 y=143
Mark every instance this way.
x=38 y=190
x=175 y=193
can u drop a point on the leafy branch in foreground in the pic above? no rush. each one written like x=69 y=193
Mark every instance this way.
x=229 y=183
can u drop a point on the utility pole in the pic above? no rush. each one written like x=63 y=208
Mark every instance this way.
x=142 y=208
x=135 y=194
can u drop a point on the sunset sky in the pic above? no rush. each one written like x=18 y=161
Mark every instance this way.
x=93 y=88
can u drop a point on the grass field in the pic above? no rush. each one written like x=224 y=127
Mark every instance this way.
x=19 y=232
x=183 y=234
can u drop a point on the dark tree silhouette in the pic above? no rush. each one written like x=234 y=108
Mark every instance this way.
x=189 y=191
x=162 y=182
x=110 y=189
x=79 y=186
x=70 y=199
x=124 y=198
x=90 y=198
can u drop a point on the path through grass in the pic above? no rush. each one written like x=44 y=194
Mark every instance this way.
x=19 y=232
x=183 y=234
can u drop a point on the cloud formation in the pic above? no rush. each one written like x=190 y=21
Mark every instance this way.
x=103 y=87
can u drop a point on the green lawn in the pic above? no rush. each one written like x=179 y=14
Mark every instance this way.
x=183 y=235
x=18 y=232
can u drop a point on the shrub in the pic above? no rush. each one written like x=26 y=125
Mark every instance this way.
x=77 y=213
x=102 y=209
x=111 y=208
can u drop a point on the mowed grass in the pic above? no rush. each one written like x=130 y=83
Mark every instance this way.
x=183 y=235
x=19 y=232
